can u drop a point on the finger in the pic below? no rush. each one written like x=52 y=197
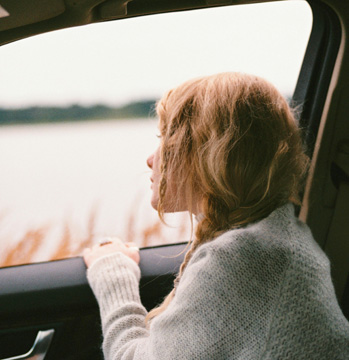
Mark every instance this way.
x=134 y=248
x=118 y=241
x=133 y=253
x=86 y=256
x=131 y=244
x=94 y=247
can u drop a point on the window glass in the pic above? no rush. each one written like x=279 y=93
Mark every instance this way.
x=77 y=125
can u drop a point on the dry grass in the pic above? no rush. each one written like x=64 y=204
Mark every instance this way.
x=154 y=233
x=27 y=249
x=34 y=242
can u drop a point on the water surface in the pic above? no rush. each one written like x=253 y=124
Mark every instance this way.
x=55 y=174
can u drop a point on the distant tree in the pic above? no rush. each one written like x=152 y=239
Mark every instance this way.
x=37 y=114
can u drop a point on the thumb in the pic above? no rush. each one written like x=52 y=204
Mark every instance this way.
x=133 y=253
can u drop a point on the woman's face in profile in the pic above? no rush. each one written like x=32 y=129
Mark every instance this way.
x=153 y=163
x=174 y=200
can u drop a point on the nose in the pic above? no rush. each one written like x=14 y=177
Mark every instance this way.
x=150 y=161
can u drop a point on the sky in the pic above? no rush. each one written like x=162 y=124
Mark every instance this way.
x=122 y=61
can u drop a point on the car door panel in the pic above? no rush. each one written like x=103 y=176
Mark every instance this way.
x=56 y=295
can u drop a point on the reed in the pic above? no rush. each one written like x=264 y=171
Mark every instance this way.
x=32 y=246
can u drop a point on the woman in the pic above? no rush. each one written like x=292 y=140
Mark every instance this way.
x=254 y=284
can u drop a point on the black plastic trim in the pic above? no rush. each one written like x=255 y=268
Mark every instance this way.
x=316 y=72
x=62 y=285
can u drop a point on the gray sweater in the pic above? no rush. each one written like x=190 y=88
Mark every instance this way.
x=260 y=292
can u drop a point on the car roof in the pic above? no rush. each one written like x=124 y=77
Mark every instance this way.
x=22 y=18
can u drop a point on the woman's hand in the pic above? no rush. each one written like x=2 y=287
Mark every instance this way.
x=115 y=245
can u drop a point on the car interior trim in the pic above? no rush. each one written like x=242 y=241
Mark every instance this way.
x=39 y=349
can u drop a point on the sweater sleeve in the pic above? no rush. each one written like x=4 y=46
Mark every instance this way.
x=223 y=290
x=114 y=280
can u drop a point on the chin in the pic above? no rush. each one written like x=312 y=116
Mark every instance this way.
x=170 y=209
x=166 y=209
x=154 y=204
x=154 y=207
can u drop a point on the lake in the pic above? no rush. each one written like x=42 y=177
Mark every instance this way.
x=79 y=176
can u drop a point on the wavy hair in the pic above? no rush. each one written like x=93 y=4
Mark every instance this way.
x=232 y=141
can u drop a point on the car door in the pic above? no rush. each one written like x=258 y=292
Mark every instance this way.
x=47 y=310
x=52 y=303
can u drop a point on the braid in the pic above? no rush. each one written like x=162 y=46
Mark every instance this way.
x=205 y=232
x=158 y=310
x=194 y=245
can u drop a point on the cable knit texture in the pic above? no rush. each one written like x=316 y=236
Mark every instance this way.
x=261 y=292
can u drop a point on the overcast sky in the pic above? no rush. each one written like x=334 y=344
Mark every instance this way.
x=141 y=58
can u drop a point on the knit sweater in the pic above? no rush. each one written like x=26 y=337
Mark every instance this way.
x=260 y=292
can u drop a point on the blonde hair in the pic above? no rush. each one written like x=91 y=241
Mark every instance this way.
x=230 y=140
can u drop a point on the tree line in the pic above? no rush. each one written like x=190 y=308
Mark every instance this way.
x=40 y=114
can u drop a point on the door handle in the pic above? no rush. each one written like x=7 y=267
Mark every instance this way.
x=39 y=349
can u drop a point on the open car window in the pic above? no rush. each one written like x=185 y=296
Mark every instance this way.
x=78 y=120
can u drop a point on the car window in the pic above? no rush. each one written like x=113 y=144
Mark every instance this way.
x=78 y=122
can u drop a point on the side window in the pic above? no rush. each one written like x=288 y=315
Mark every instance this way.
x=77 y=118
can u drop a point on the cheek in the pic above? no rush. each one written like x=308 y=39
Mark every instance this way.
x=155 y=194
x=156 y=161
x=155 y=191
